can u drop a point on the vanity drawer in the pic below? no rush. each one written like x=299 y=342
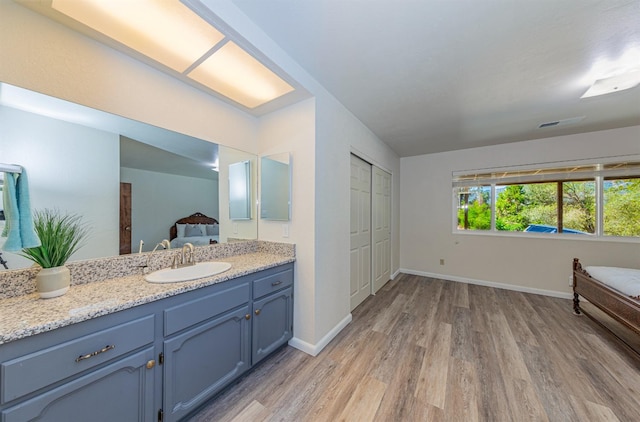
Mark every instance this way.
x=28 y=373
x=274 y=282
x=198 y=310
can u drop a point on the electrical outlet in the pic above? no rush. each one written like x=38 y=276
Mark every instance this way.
x=235 y=228
x=285 y=230
x=571 y=280
x=441 y=261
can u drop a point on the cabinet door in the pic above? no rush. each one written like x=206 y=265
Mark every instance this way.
x=272 y=323
x=203 y=360
x=121 y=391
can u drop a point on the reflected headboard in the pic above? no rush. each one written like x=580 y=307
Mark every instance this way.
x=197 y=218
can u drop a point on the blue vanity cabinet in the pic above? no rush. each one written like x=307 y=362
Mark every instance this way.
x=272 y=324
x=98 y=370
x=206 y=348
x=120 y=391
x=163 y=359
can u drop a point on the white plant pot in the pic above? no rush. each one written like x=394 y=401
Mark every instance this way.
x=53 y=282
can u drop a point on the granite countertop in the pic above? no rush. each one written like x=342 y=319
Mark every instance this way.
x=28 y=315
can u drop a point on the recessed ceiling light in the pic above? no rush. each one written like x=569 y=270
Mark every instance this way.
x=234 y=73
x=166 y=31
x=613 y=84
x=176 y=37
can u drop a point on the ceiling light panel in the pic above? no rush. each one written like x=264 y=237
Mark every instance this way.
x=236 y=74
x=613 y=84
x=166 y=31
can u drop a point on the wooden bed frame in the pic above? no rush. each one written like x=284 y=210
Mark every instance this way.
x=197 y=218
x=624 y=309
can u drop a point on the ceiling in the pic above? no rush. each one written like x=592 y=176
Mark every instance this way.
x=429 y=76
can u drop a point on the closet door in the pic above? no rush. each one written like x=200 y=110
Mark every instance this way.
x=381 y=218
x=360 y=286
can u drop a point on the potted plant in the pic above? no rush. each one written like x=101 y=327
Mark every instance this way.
x=61 y=234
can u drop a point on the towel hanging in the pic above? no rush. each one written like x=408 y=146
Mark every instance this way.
x=19 y=228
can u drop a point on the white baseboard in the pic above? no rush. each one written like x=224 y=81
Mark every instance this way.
x=552 y=293
x=394 y=275
x=314 y=349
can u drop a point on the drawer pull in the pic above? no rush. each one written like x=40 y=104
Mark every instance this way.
x=276 y=283
x=97 y=352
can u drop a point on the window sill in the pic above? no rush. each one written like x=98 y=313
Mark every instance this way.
x=553 y=236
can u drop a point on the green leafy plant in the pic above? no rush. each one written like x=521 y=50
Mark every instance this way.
x=61 y=235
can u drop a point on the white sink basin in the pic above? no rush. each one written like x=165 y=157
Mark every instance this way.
x=201 y=269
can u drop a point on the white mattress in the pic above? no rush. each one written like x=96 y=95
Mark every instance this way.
x=625 y=280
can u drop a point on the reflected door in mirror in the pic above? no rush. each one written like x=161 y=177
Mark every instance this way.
x=125 y=218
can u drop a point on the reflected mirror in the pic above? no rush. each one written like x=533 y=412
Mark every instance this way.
x=122 y=176
x=240 y=190
x=275 y=187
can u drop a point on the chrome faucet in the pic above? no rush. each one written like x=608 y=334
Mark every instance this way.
x=188 y=248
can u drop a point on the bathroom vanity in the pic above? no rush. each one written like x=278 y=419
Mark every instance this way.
x=158 y=360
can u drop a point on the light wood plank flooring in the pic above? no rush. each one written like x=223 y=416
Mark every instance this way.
x=431 y=350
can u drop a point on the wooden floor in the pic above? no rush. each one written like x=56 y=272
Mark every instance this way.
x=431 y=350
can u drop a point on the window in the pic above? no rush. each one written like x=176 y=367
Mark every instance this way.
x=474 y=208
x=622 y=207
x=584 y=199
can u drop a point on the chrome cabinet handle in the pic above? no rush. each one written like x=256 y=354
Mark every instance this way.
x=275 y=283
x=97 y=352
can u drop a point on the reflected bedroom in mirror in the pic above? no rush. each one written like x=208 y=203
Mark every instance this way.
x=133 y=184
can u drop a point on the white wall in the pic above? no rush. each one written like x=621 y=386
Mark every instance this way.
x=529 y=263
x=293 y=130
x=338 y=134
x=70 y=167
x=159 y=199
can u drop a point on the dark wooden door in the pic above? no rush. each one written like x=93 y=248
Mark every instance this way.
x=125 y=218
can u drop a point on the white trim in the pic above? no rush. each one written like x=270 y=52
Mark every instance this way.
x=366 y=157
x=314 y=349
x=552 y=293
x=556 y=236
x=394 y=275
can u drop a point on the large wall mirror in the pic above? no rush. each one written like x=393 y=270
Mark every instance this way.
x=103 y=166
x=275 y=187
